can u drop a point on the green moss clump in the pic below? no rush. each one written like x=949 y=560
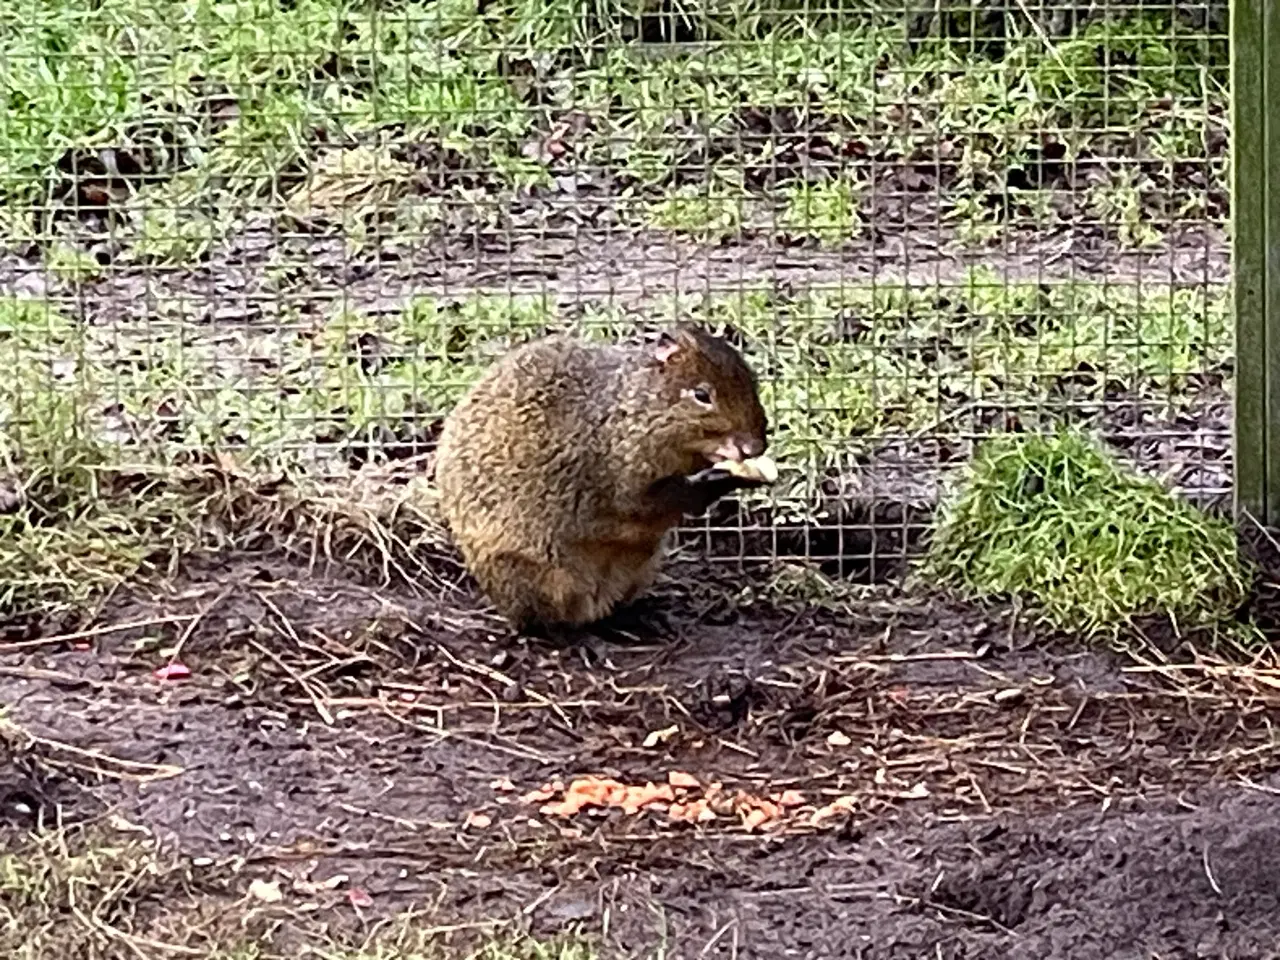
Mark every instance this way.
x=1052 y=521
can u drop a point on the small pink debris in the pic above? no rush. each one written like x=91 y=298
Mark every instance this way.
x=173 y=671
x=359 y=898
x=479 y=821
x=80 y=646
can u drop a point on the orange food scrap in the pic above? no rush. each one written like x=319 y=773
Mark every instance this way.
x=695 y=811
x=543 y=793
x=587 y=792
x=697 y=804
x=836 y=807
x=756 y=812
x=770 y=809
x=606 y=792
x=637 y=798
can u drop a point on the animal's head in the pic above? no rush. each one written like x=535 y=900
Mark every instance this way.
x=712 y=395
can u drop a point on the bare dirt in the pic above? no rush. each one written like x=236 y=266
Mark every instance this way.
x=1001 y=793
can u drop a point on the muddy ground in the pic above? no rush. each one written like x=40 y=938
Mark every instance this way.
x=997 y=793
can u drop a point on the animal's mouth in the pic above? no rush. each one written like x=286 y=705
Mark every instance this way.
x=723 y=449
x=729 y=455
x=727 y=450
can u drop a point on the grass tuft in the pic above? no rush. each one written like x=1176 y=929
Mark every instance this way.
x=527 y=948
x=96 y=893
x=78 y=535
x=405 y=939
x=1054 y=522
x=826 y=212
x=83 y=507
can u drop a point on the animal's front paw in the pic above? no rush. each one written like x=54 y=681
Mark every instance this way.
x=712 y=477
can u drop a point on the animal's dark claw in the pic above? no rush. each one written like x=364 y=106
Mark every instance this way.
x=710 y=475
x=722 y=480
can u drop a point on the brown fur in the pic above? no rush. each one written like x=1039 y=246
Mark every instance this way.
x=562 y=470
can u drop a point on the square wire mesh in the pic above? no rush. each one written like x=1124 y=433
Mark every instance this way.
x=295 y=230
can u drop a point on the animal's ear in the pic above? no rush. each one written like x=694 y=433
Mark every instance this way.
x=666 y=346
x=669 y=343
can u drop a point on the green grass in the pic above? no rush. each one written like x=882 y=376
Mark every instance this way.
x=826 y=211
x=126 y=70
x=840 y=367
x=562 y=948
x=217 y=115
x=99 y=894
x=406 y=940
x=708 y=211
x=86 y=894
x=72 y=265
x=1086 y=545
x=81 y=520
x=215 y=109
x=105 y=450
x=408 y=943
x=983 y=124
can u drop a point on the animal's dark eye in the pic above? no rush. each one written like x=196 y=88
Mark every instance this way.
x=702 y=395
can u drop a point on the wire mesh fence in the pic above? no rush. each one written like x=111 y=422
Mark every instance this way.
x=294 y=231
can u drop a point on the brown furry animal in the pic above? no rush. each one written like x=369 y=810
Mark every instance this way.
x=565 y=466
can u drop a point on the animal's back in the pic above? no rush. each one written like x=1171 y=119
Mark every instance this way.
x=519 y=464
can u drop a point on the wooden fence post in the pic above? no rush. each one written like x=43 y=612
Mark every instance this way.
x=1255 y=192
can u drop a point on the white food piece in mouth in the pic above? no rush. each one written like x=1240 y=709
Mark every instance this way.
x=761 y=469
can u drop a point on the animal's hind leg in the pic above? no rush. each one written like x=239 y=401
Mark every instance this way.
x=640 y=577
x=533 y=595
x=635 y=612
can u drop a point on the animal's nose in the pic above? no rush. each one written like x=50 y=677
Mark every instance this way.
x=750 y=446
